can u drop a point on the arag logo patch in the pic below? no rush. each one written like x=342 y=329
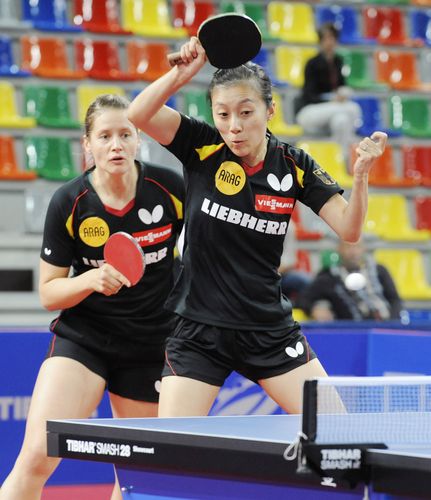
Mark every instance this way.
x=230 y=178
x=94 y=231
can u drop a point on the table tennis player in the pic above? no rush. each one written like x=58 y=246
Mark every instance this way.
x=242 y=184
x=109 y=334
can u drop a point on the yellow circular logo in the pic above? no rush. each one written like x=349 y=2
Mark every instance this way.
x=230 y=178
x=94 y=231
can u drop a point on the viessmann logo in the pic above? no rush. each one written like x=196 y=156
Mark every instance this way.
x=273 y=204
x=153 y=236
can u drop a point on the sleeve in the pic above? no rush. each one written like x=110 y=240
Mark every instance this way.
x=57 y=244
x=390 y=291
x=341 y=79
x=311 y=91
x=317 y=185
x=191 y=137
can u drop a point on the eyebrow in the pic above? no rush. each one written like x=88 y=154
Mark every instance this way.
x=243 y=101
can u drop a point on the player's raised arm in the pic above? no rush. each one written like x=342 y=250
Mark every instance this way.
x=347 y=218
x=148 y=112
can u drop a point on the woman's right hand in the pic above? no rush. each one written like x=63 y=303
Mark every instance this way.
x=107 y=280
x=193 y=58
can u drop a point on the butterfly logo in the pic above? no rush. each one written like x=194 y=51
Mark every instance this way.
x=153 y=217
x=298 y=350
x=47 y=251
x=285 y=184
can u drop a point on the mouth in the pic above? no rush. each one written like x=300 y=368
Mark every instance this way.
x=117 y=159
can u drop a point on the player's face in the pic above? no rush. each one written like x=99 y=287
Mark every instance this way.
x=241 y=117
x=113 y=141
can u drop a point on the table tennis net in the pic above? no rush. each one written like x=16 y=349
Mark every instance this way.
x=390 y=410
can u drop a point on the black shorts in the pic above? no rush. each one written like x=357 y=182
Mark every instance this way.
x=210 y=353
x=134 y=376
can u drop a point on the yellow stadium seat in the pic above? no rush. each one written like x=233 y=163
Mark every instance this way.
x=299 y=315
x=408 y=271
x=329 y=155
x=150 y=18
x=388 y=218
x=290 y=63
x=9 y=116
x=292 y=22
x=86 y=94
x=277 y=124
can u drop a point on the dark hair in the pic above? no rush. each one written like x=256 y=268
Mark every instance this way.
x=244 y=73
x=103 y=101
x=328 y=28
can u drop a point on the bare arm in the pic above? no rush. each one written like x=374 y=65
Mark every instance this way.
x=148 y=112
x=347 y=218
x=58 y=291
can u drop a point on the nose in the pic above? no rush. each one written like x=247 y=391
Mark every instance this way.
x=116 y=142
x=235 y=124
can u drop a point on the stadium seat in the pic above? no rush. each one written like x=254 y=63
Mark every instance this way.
x=422 y=3
x=290 y=63
x=9 y=167
x=420 y=22
x=301 y=232
x=47 y=58
x=386 y=25
x=383 y=172
x=99 y=16
x=410 y=115
x=372 y=119
x=254 y=10
x=357 y=71
x=292 y=22
x=9 y=116
x=399 y=69
x=346 y=20
x=423 y=212
x=48 y=15
x=150 y=18
x=100 y=59
x=10 y=16
x=190 y=14
x=278 y=125
x=388 y=218
x=389 y=2
x=8 y=67
x=196 y=105
x=329 y=155
x=264 y=59
x=408 y=271
x=417 y=163
x=147 y=60
x=86 y=94
x=50 y=157
x=49 y=106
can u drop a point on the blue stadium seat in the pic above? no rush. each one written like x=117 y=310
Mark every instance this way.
x=420 y=24
x=346 y=21
x=372 y=117
x=48 y=15
x=8 y=67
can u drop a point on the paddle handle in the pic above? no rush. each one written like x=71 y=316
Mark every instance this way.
x=174 y=59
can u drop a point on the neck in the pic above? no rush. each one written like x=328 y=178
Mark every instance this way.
x=253 y=160
x=115 y=190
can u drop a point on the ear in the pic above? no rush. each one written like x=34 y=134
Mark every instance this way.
x=270 y=111
x=85 y=144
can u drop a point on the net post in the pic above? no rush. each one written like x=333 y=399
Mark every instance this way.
x=309 y=409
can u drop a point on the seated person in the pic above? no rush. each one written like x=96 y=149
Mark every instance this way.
x=355 y=287
x=325 y=106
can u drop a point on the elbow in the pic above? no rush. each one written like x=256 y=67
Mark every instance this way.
x=351 y=236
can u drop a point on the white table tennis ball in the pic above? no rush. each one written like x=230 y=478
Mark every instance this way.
x=355 y=281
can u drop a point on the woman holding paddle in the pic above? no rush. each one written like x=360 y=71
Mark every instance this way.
x=109 y=334
x=242 y=184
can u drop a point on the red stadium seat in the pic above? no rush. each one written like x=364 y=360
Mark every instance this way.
x=100 y=60
x=99 y=16
x=190 y=14
x=417 y=164
x=423 y=212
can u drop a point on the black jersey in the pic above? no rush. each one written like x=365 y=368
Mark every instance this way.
x=235 y=225
x=76 y=229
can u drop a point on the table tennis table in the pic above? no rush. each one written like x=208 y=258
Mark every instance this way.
x=225 y=457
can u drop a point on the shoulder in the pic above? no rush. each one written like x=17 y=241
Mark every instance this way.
x=70 y=191
x=167 y=178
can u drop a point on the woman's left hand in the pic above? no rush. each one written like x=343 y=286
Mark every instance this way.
x=368 y=150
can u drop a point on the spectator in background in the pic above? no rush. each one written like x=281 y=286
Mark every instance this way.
x=325 y=107
x=293 y=280
x=355 y=287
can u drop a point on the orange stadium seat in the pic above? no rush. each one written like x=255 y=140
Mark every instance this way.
x=100 y=59
x=300 y=231
x=9 y=167
x=399 y=69
x=47 y=58
x=147 y=60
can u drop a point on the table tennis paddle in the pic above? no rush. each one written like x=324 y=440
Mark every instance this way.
x=229 y=40
x=123 y=252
